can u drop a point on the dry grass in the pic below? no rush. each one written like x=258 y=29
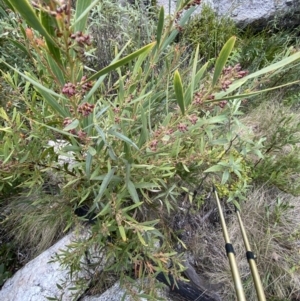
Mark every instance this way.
x=272 y=222
x=36 y=223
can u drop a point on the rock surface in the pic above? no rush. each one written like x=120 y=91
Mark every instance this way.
x=116 y=293
x=255 y=12
x=38 y=279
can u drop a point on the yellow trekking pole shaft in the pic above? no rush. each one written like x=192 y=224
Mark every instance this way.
x=251 y=260
x=231 y=257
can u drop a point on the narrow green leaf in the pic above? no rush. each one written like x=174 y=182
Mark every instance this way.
x=50 y=24
x=122 y=137
x=123 y=61
x=175 y=32
x=141 y=239
x=35 y=83
x=19 y=45
x=225 y=177
x=9 y=5
x=53 y=103
x=3 y=114
x=144 y=132
x=190 y=97
x=107 y=179
x=220 y=96
x=7 y=129
x=73 y=125
x=104 y=211
x=160 y=25
x=275 y=66
x=133 y=192
x=92 y=151
x=179 y=91
x=81 y=14
x=189 y=93
x=222 y=59
x=129 y=208
x=26 y=11
x=216 y=119
x=88 y=164
x=56 y=70
x=7 y=157
x=294 y=57
x=122 y=233
x=215 y=168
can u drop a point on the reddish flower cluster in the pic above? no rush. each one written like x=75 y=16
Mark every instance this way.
x=198 y=98
x=81 y=134
x=116 y=110
x=230 y=74
x=68 y=121
x=194 y=3
x=85 y=109
x=69 y=89
x=164 y=131
x=193 y=118
x=182 y=127
x=63 y=9
x=85 y=86
x=222 y=103
x=235 y=71
x=225 y=84
x=153 y=145
x=81 y=39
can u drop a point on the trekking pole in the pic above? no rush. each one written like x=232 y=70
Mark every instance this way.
x=230 y=254
x=251 y=260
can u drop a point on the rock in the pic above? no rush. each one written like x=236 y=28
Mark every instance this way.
x=38 y=279
x=255 y=12
x=116 y=293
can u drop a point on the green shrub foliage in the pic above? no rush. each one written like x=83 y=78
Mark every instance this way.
x=123 y=141
x=209 y=31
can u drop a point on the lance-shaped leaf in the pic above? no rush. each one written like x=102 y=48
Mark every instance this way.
x=160 y=25
x=9 y=4
x=122 y=233
x=273 y=67
x=252 y=93
x=186 y=16
x=193 y=77
x=73 y=125
x=123 y=61
x=179 y=91
x=81 y=14
x=49 y=24
x=133 y=192
x=122 y=137
x=24 y=8
x=107 y=179
x=222 y=59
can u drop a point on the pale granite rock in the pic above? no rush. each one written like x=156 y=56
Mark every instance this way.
x=38 y=279
x=244 y=12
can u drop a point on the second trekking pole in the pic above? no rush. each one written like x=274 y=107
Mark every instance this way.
x=230 y=254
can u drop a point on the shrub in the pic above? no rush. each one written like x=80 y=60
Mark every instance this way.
x=209 y=31
x=280 y=126
x=131 y=143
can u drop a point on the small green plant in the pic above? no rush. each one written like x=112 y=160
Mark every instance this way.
x=7 y=261
x=209 y=31
x=280 y=126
